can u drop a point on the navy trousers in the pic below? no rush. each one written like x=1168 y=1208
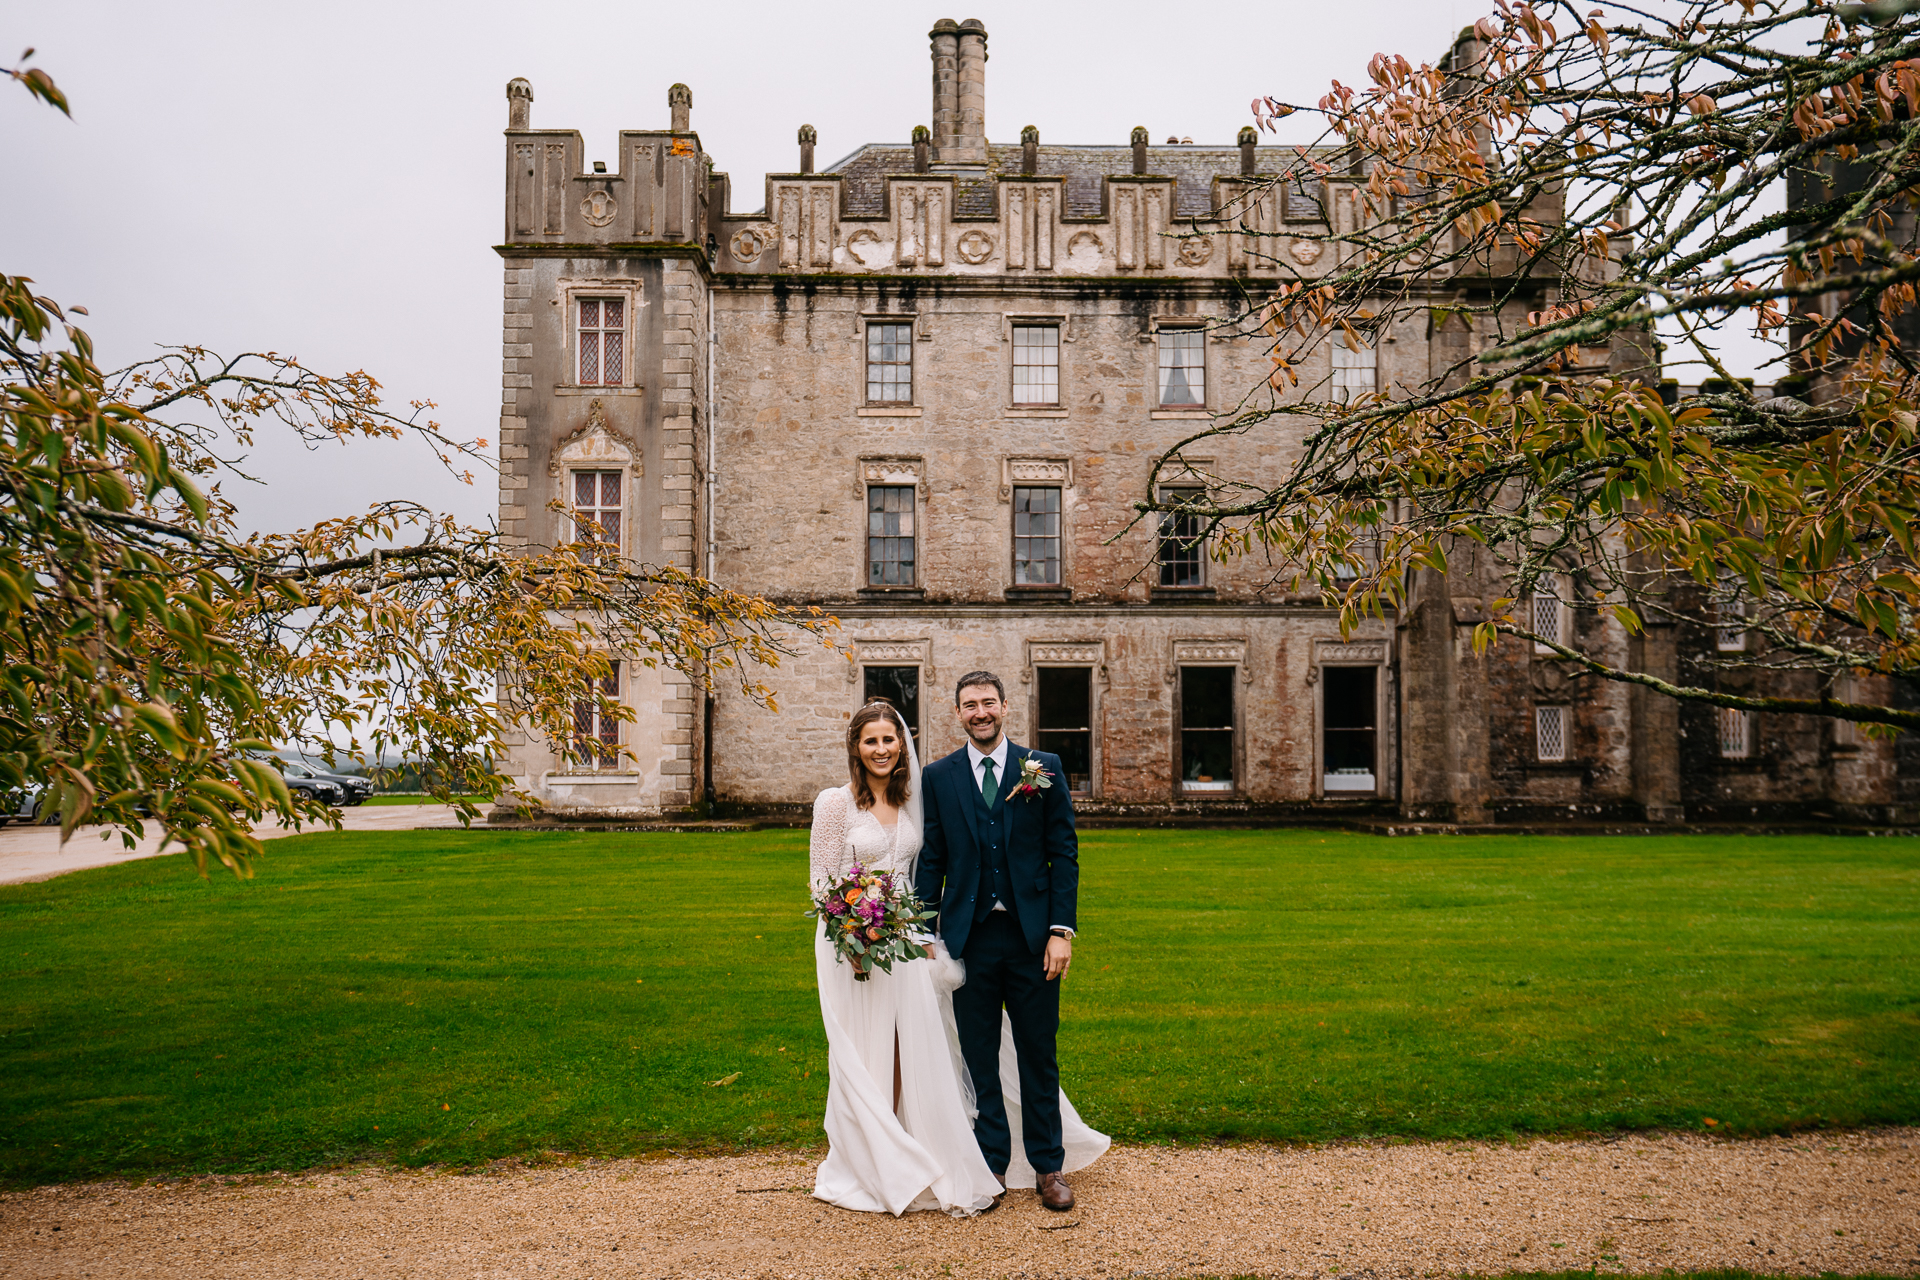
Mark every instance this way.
x=1002 y=972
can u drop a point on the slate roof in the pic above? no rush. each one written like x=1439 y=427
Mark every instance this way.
x=1084 y=168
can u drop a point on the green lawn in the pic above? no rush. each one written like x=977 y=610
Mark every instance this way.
x=449 y=997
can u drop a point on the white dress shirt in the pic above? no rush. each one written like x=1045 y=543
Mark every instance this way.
x=999 y=758
x=998 y=755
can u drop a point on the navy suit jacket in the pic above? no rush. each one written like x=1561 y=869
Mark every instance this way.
x=1043 y=853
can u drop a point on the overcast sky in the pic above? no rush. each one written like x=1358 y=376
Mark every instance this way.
x=325 y=179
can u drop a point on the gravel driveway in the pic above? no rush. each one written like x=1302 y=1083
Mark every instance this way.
x=1845 y=1203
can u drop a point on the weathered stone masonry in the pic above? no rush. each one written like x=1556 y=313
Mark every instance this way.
x=745 y=344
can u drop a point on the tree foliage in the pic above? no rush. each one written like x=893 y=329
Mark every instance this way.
x=152 y=654
x=1573 y=183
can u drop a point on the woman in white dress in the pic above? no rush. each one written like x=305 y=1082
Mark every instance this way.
x=899 y=1118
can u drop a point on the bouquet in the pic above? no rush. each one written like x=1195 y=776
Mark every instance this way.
x=870 y=920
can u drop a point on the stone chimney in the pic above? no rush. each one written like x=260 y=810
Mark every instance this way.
x=807 y=138
x=959 y=92
x=922 y=145
x=1248 y=141
x=680 y=103
x=1139 y=141
x=519 y=103
x=1030 y=151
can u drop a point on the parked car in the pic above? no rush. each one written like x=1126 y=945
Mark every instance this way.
x=322 y=789
x=23 y=806
x=354 y=789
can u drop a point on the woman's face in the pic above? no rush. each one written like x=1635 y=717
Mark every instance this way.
x=879 y=748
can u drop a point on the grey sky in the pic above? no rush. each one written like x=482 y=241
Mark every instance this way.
x=325 y=180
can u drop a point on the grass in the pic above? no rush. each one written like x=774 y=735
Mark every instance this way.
x=427 y=997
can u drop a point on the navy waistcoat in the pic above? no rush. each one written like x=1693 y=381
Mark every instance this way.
x=995 y=882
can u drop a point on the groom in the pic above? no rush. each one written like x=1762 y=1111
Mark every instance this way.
x=1002 y=864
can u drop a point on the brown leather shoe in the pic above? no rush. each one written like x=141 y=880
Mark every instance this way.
x=1055 y=1194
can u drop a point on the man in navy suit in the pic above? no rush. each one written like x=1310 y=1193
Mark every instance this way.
x=1004 y=872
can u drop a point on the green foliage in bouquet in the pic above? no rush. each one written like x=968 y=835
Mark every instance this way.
x=871 y=920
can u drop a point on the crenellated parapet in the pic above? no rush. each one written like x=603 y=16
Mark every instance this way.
x=658 y=191
x=1005 y=221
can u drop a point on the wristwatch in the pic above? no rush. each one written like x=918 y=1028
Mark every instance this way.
x=1061 y=931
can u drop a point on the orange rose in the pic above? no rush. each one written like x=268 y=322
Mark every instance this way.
x=873 y=935
x=854 y=895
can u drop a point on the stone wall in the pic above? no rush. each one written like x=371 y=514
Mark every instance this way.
x=766 y=758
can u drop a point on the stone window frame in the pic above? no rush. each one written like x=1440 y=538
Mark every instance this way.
x=572 y=291
x=619 y=763
x=1059 y=323
x=1355 y=652
x=1553 y=605
x=891 y=470
x=1729 y=603
x=1160 y=535
x=912 y=325
x=597 y=445
x=915 y=652
x=1541 y=734
x=598 y=511
x=1344 y=390
x=1088 y=655
x=1736 y=734
x=1216 y=651
x=1054 y=472
x=1201 y=325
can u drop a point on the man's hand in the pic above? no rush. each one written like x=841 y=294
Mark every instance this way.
x=1059 y=956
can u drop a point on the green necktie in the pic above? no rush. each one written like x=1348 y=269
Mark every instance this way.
x=989 y=790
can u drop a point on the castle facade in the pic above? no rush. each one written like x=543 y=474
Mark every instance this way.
x=924 y=386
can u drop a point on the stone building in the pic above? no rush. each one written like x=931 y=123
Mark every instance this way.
x=922 y=387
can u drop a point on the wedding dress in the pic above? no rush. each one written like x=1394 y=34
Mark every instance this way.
x=925 y=1157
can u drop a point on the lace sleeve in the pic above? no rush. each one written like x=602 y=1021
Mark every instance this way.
x=827 y=846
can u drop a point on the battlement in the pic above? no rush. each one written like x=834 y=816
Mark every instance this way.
x=662 y=190
x=951 y=202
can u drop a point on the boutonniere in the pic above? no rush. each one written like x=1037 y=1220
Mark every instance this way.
x=1033 y=779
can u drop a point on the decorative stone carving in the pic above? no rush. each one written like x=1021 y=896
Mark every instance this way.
x=860 y=246
x=891 y=653
x=974 y=247
x=597 y=208
x=597 y=444
x=1304 y=252
x=905 y=651
x=748 y=244
x=1550 y=679
x=1350 y=653
x=1353 y=653
x=1196 y=251
x=890 y=470
x=1221 y=652
x=1034 y=471
x=1084 y=242
x=1090 y=654
x=1066 y=653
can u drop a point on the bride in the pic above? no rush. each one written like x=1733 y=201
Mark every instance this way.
x=900 y=1104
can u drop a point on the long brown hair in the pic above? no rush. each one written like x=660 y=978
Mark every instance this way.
x=898 y=782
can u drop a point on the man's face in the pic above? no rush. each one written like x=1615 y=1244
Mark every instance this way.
x=981 y=715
